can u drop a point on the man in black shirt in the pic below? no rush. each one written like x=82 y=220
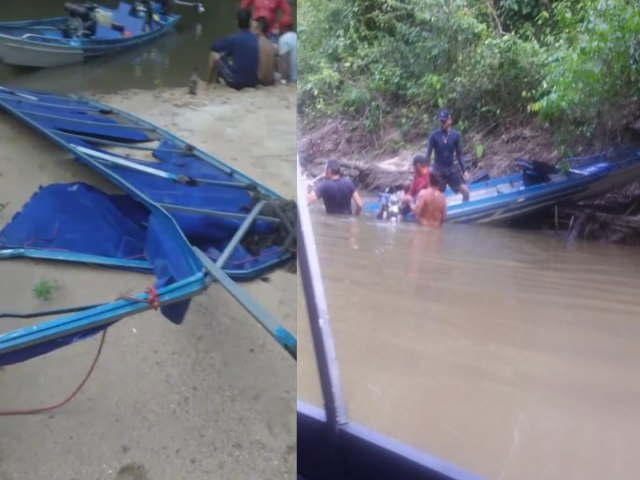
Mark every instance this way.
x=445 y=142
x=336 y=191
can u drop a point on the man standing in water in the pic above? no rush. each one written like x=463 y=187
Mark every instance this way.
x=431 y=206
x=420 y=180
x=445 y=141
x=336 y=191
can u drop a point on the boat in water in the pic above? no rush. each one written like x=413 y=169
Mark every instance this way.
x=87 y=31
x=185 y=217
x=539 y=186
x=329 y=445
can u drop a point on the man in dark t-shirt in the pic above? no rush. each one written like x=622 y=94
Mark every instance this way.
x=235 y=57
x=336 y=192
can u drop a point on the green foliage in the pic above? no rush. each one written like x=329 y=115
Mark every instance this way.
x=44 y=289
x=572 y=63
x=593 y=64
x=479 y=151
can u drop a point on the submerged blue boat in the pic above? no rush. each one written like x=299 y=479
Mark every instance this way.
x=539 y=186
x=186 y=217
x=87 y=31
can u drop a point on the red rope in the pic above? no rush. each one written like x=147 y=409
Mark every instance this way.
x=32 y=411
x=152 y=299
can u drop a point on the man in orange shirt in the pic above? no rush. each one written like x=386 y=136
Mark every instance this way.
x=431 y=206
x=269 y=10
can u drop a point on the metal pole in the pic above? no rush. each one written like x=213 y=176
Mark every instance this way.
x=264 y=318
x=319 y=317
x=215 y=213
x=240 y=233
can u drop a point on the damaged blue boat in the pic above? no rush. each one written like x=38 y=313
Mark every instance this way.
x=185 y=216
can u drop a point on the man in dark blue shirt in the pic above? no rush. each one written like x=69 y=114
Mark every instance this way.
x=336 y=191
x=445 y=142
x=235 y=57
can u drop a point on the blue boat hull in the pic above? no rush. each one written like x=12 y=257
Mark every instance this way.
x=184 y=218
x=504 y=199
x=41 y=44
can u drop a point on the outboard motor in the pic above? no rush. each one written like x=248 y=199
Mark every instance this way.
x=390 y=206
x=165 y=6
x=143 y=9
x=82 y=20
x=535 y=172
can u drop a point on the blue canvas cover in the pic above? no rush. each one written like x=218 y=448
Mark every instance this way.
x=79 y=218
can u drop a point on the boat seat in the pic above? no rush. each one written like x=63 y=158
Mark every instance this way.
x=132 y=25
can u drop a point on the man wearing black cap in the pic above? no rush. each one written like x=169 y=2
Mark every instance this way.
x=445 y=142
x=336 y=191
x=421 y=172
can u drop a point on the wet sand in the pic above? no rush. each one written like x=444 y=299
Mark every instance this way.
x=211 y=398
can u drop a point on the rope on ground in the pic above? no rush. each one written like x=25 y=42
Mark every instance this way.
x=152 y=300
x=32 y=411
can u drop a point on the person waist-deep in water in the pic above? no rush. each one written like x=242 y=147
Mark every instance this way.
x=235 y=58
x=267 y=53
x=337 y=192
x=421 y=172
x=430 y=208
x=446 y=144
x=287 y=51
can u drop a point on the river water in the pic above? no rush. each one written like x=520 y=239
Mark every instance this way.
x=515 y=355
x=168 y=62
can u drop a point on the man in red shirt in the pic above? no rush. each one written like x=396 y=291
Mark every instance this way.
x=269 y=10
x=420 y=180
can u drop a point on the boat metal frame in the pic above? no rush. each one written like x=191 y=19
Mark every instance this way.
x=204 y=270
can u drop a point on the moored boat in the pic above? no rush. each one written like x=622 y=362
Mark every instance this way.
x=87 y=31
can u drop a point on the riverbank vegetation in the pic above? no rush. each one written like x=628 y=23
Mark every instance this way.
x=384 y=67
x=538 y=79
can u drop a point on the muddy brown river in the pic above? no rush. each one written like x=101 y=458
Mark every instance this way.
x=513 y=354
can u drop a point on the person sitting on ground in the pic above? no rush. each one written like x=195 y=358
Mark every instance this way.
x=287 y=51
x=420 y=180
x=431 y=206
x=267 y=54
x=445 y=142
x=336 y=191
x=269 y=10
x=235 y=57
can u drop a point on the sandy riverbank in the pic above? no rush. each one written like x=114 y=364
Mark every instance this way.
x=210 y=399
